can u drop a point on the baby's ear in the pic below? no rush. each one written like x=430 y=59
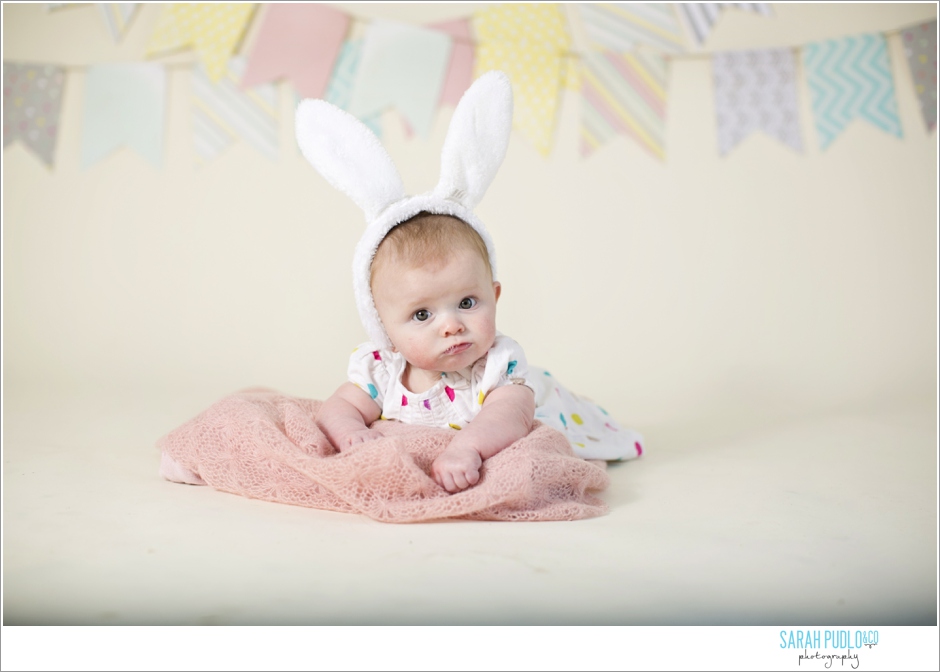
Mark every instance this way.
x=497 y=289
x=348 y=155
x=476 y=140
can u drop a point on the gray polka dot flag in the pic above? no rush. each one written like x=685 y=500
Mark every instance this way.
x=32 y=100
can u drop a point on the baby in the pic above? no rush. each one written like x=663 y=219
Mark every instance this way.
x=434 y=291
x=424 y=277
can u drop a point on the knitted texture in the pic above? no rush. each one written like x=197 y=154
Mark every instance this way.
x=265 y=445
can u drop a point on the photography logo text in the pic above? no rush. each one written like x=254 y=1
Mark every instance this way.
x=829 y=646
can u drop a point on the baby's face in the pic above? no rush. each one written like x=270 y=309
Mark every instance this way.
x=440 y=317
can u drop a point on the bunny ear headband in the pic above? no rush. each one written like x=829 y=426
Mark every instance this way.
x=351 y=158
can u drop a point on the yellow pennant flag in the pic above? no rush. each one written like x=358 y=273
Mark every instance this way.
x=529 y=42
x=212 y=29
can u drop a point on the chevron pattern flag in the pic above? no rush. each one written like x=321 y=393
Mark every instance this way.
x=849 y=78
x=756 y=90
x=700 y=17
x=222 y=113
x=623 y=94
x=625 y=26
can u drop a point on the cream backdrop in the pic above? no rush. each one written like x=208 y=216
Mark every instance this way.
x=764 y=284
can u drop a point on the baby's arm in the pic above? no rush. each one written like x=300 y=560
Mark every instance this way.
x=345 y=417
x=507 y=415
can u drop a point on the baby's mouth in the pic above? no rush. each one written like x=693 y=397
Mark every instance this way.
x=457 y=349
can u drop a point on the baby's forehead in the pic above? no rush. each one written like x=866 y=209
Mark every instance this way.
x=439 y=262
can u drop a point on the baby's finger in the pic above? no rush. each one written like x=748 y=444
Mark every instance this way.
x=447 y=482
x=460 y=480
x=473 y=477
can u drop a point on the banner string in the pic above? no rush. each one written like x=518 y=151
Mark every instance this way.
x=564 y=53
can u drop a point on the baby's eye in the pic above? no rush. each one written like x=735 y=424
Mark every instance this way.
x=468 y=303
x=422 y=315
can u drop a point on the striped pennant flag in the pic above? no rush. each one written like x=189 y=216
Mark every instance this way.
x=625 y=26
x=222 y=113
x=920 y=46
x=700 y=17
x=117 y=15
x=849 y=78
x=623 y=93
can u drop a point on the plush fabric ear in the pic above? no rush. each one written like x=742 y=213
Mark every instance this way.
x=348 y=155
x=476 y=140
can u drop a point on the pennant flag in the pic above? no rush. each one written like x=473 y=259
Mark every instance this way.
x=528 y=42
x=32 y=100
x=700 y=17
x=212 y=29
x=124 y=104
x=300 y=42
x=339 y=90
x=756 y=90
x=459 y=75
x=920 y=45
x=848 y=78
x=623 y=93
x=222 y=113
x=401 y=66
x=623 y=26
x=118 y=16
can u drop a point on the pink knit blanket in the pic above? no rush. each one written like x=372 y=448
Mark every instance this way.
x=264 y=445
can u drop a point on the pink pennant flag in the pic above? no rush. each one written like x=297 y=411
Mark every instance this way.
x=300 y=42
x=460 y=69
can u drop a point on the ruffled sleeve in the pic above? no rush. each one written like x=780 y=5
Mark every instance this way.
x=369 y=370
x=505 y=365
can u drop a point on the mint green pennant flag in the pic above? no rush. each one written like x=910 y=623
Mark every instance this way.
x=124 y=105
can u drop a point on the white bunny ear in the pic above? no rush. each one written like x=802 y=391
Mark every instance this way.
x=348 y=155
x=476 y=140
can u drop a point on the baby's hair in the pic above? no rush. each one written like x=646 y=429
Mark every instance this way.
x=429 y=238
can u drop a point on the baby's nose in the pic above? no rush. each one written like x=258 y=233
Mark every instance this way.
x=451 y=325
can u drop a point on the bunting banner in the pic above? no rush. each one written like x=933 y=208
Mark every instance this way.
x=339 y=90
x=756 y=90
x=623 y=27
x=124 y=105
x=300 y=42
x=623 y=93
x=222 y=113
x=460 y=68
x=621 y=76
x=117 y=16
x=401 y=66
x=212 y=29
x=529 y=42
x=849 y=78
x=700 y=17
x=32 y=101
x=920 y=47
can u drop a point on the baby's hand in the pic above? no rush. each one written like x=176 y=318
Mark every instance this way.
x=359 y=436
x=457 y=468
